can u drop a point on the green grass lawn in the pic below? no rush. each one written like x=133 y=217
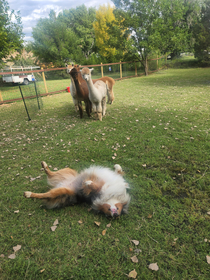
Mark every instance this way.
x=158 y=130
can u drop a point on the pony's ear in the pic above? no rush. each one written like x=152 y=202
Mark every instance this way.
x=91 y=69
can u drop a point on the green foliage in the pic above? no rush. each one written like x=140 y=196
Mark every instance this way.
x=202 y=34
x=67 y=37
x=53 y=42
x=80 y=21
x=10 y=30
x=157 y=25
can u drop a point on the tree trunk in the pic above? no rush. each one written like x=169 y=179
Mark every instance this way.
x=146 y=67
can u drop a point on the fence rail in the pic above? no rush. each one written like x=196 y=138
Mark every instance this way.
x=56 y=80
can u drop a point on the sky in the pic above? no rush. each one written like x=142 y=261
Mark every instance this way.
x=32 y=10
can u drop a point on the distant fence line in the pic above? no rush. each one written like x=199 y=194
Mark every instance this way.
x=138 y=71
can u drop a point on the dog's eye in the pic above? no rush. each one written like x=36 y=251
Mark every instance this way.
x=117 y=208
x=109 y=209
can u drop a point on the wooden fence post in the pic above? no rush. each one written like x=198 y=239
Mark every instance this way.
x=1 y=98
x=120 y=70
x=45 y=84
x=135 y=69
x=102 y=70
x=157 y=62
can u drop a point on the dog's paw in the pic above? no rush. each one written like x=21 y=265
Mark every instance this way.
x=118 y=168
x=44 y=165
x=27 y=194
x=88 y=183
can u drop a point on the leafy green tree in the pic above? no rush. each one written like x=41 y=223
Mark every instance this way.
x=80 y=21
x=202 y=34
x=53 y=42
x=66 y=37
x=11 y=36
x=156 y=26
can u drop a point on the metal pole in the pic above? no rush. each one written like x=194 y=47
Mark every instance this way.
x=24 y=103
x=36 y=95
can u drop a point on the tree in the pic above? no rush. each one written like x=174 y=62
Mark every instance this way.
x=202 y=34
x=155 y=26
x=10 y=30
x=54 y=42
x=80 y=21
x=110 y=34
x=66 y=37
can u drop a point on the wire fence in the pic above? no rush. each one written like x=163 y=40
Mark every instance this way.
x=56 y=80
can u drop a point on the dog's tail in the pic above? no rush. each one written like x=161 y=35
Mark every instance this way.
x=46 y=169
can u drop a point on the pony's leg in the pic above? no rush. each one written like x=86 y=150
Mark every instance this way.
x=87 y=108
x=99 y=111
x=76 y=104
x=94 y=109
x=104 y=106
x=51 y=194
x=80 y=109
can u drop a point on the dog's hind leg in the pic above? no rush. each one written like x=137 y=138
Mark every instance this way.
x=46 y=169
x=51 y=194
x=118 y=169
x=90 y=187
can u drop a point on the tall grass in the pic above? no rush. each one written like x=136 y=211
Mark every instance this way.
x=158 y=131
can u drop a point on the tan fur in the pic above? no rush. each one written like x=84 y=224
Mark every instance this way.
x=55 y=177
x=53 y=193
x=120 y=207
x=94 y=187
x=105 y=208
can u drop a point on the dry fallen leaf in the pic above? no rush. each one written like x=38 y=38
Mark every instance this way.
x=56 y=222
x=42 y=270
x=136 y=242
x=104 y=232
x=208 y=259
x=2 y=256
x=12 y=256
x=149 y=216
x=17 y=248
x=132 y=274
x=154 y=266
x=97 y=223
x=80 y=222
x=53 y=228
x=109 y=225
x=134 y=259
x=17 y=211
x=137 y=251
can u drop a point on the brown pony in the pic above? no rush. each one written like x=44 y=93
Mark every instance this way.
x=82 y=92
